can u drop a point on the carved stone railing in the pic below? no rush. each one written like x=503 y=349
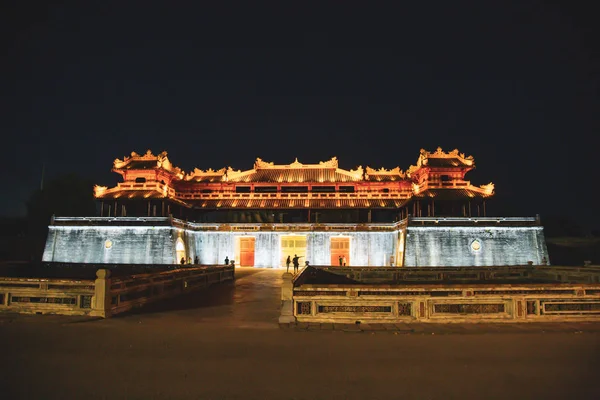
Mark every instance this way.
x=118 y=295
x=46 y=296
x=105 y=296
x=449 y=275
x=504 y=294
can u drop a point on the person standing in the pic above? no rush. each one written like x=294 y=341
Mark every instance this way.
x=341 y=260
x=344 y=260
x=287 y=263
x=226 y=260
x=296 y=262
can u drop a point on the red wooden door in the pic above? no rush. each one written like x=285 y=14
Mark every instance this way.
x=247 y=252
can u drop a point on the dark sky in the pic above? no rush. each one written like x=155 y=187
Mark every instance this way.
x=513 y=83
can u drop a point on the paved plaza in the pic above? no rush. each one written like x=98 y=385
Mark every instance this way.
x=225 y=343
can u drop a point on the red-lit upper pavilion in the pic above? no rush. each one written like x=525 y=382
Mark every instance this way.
x=296 y=192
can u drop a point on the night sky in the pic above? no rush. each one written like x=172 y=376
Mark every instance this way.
x=513 y=83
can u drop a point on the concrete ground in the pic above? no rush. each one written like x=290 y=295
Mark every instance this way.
x=225 y=343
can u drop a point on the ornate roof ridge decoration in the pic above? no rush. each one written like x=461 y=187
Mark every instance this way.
x=233 y=175
x=161 y=159
x=357 y=173
x=198 y=173
x=439 y=153
x=260 y=164
x=99 y=190
x=489 y=188
x=136 y=157
x=412 y=169
x=383 y=171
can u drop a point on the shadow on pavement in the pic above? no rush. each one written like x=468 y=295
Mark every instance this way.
x=213 y=296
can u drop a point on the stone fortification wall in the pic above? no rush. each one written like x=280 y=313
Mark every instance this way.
x=428 y=242
x=474 y=245
x=110 y=244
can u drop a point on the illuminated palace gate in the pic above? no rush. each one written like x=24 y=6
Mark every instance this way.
x=426 y=215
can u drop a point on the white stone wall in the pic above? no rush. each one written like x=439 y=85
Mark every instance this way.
x=425 y=245
x=453 y=246
x=128 y=244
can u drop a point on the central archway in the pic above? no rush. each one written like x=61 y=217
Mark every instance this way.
x=179 y=251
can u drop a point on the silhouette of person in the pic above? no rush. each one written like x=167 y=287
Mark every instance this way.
x=344 y=260
x=341 y=260
x=296 y=262
x=182 y=260
x=226 y=260
x=196 y=260
x=287 y=263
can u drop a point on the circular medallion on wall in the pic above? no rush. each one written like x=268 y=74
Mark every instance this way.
x=475 y=245
x=108 y=244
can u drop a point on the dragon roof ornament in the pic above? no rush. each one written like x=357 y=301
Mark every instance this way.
x=260 y=164
x=356 y=174
x=100 y=190
x=382 y=171
x=489 y=188
x=198 y=173
x=233 y=175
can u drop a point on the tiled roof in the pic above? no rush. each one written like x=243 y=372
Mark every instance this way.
x=297 y=175
x=384 y=178
x=207 y=179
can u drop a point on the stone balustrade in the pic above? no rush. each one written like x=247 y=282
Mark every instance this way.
x=440 y=295
x=46 y=296
x=106 y=296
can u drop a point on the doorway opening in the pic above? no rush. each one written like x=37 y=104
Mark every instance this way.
x=179 y=251
x=293 y=245
x=340 y=249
